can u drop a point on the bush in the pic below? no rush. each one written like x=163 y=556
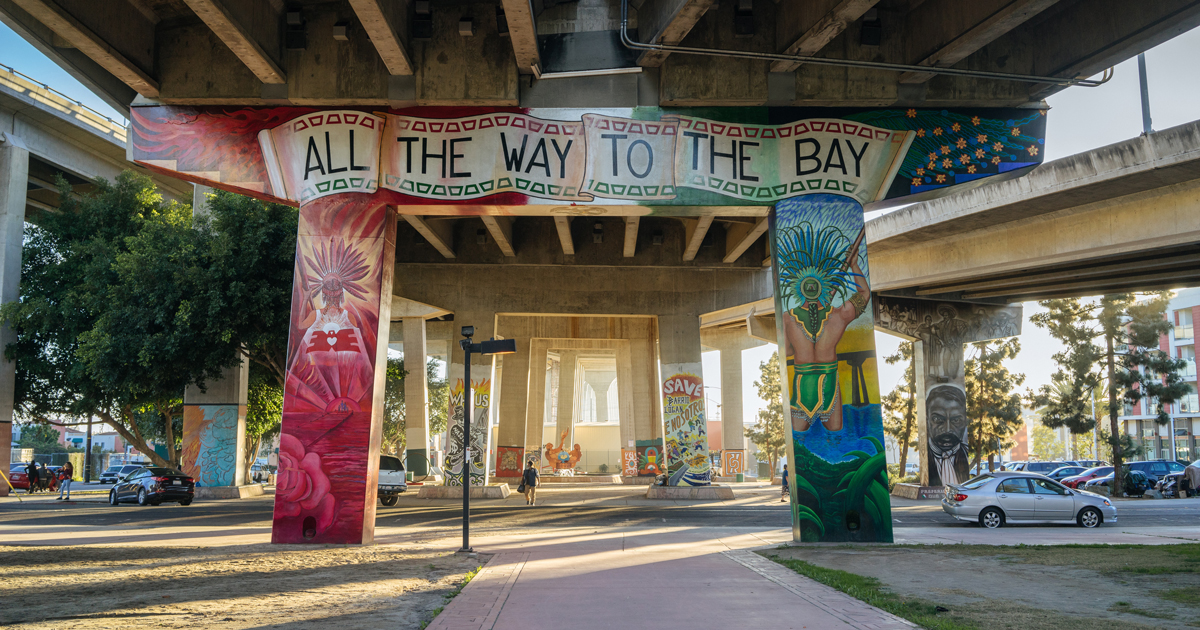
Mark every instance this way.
x=892 y=481
x=603 y=468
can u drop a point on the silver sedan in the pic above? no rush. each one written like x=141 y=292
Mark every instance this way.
x=994 y=499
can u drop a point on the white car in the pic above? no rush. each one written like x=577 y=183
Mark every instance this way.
x=392 y=481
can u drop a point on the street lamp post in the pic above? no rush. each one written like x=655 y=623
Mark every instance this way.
x=491 y=346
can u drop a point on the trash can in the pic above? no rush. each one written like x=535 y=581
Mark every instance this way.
x=408 y=476
x=741 y=477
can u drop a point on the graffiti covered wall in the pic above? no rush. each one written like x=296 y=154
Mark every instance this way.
x=480 y=433
x=685 y=432
x=839 y=468
x=210 y=440
x=650 y=457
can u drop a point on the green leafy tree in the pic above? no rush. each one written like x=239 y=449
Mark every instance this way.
x=900 y=406
x=126 y=300
x=1045 y=444
x=395 y=440
x=41 y=438
x=769 y=433
x=993 y=405
x=1126 y=363
x=264 y=412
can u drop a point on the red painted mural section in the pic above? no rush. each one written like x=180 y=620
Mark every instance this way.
x=341 y=302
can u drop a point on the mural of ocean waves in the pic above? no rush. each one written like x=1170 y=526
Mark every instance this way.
x=861 y=425
x=843 y=502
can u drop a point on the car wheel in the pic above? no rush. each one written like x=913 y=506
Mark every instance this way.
x=389 y=499
x=185 y=502
x=112 y=498
x=1090 y=518
x=143 y=499
x=991 y=518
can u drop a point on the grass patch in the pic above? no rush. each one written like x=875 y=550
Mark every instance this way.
x=1126 y=607
x=451 y=595
x=1188 y=595
x=872 y=591
x=1107 y=559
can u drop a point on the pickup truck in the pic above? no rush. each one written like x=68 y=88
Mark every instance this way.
x=391 y=480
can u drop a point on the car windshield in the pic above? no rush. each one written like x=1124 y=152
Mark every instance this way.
x=112 y=469
x=977 y=482
x=386 y=462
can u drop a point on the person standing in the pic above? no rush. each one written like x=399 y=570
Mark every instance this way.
x=529 y=479
x=784 y=492
x=31 y=474
x=65 y=475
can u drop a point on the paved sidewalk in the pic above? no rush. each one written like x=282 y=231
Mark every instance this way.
x=662 y=577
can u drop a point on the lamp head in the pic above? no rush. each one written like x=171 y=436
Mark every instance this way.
x=468 y=331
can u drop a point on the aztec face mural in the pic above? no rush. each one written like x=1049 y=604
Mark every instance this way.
x=210 y=439
x=480 y=433
x=939 y=330
x=346 y=166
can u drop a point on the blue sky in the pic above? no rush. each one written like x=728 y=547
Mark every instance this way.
x=1080 y=119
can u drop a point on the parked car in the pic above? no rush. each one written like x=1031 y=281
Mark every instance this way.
x=391 y=480
x=113 y=474
x=1042 y=468
x=1156 y=469
x=17 y=476
x=1092 y=463
x=1013 y=466
x=1060 y=473
x=1135 y=484
x=260 y=473
x=911 y=468
x=1012 y=497
x=1085 y=476
x=152 y=486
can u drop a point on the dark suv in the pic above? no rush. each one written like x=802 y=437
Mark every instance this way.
x=1156 y=469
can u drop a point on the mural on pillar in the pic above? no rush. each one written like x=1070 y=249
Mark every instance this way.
x=480 y=433
x=629 y=462
x=650 y=458
x=733 y=461
x=840 y=490
x=943 y=328
x=210 y=435
x=328 y=457
x=508 y=461
x=685 y=432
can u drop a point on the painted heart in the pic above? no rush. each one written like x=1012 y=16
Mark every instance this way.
x=331 y=340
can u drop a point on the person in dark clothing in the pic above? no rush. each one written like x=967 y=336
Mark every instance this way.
x=530 y=480
x=785 y=491
x=31 y=471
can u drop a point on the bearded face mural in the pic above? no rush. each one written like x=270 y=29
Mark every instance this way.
x=946 y=410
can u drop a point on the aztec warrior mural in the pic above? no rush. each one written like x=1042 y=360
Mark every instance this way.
x=350 y=169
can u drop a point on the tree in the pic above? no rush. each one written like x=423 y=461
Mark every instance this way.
x=1126 y=363
x=769 y=433
x=41 y=438
x=1045 y=444
x=993 y=406
x=395 y=440
x=900 y=405
x=126 y=300
x=264 y=413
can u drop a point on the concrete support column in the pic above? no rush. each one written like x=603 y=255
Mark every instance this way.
x=733 y=456
x=14 y=180
x=482 y=374
x=214 y=420
x=568 y=362
x=601 y=383
x=536 y=407
x=513 y=412
x=416 y=397
x=684 y=428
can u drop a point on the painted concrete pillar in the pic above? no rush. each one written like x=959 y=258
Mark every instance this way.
x=337 y=363
x=14 y=180
x=416 y=397
x=482 y=375
x=939 y=330
x=838 y=467
x=685 y=430
x=537 y=406
x=512 y=410
x=214 y=420
x=733 y=455
x=567 y=394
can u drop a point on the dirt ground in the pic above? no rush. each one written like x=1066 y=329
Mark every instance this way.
x=250 y=586
x=1034 y=588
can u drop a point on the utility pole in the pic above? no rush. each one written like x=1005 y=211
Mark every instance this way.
x=1146 y=128
x=87 y=454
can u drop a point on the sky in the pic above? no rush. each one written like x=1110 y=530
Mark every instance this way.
x=1080 y=119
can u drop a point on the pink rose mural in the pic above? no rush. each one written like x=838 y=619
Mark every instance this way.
x=302 y=488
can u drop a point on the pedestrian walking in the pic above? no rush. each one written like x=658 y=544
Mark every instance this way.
x=64 y=477
x=31 y=474
x=46 y=479
x=786 y=492
x=529 y=481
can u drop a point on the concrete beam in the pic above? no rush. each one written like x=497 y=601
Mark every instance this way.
x=989 y=24
x=818 y=24
x=631 y=232
x=696 y=229
x=1117 y=268
x=501 y=230
x=740 y=236
x=438 y=232
x=83 y=38
x=563 y=225
x=522 y=31
x=383 y=23
x=238 y=39
x=667 y=22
